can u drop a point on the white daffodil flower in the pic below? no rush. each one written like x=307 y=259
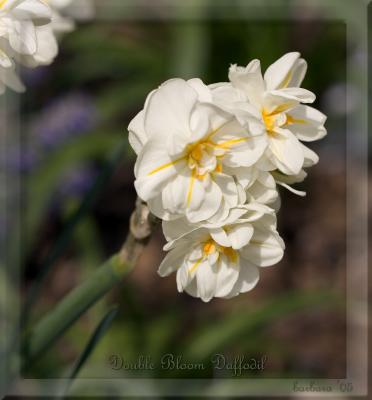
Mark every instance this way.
x=222 y=260
x=190 y=153
x=275 y=100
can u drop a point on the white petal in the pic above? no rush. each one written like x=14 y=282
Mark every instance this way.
x=206 y=280
x=298 y=73
x=203 y=200
x=35 y=10
x=264 y=249
x=227 y=275
x=279 y=73
x=11 y=79
x=172 y=261
x=228 y=187
x=311 y=158
x=5 y=61
x=219 y=236
x=168 y=111
x=307 y=123
x=294 y=94
x=47 y=48
x=174 y=194
x=183 y=278
x=248 y=277
x=23 y=39
x=156 y=207
x=204 y=92
x=289 y=179
x=245 y=176
x=153 y=169
x=255 y=211
x=288 y=153
x=247 y=152
x=240 y=235
x=137 y=135
x=249 y=80
x=291 y=189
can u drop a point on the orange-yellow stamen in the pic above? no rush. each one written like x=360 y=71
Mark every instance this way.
x=209 y=248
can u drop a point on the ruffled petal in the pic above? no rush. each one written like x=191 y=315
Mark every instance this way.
x=227 y=275
x=265 y=248
x=169 y=109
x=287 y=151
x=279 y=73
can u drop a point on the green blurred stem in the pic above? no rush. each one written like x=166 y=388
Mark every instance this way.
x=80 y=299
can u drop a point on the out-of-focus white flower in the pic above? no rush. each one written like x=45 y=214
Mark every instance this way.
x=19 y=20
x=65 y=12
x=275 y=100
x=8 y=76
x=25 y=37
x=47 y=48
x=222 y=259
x=193 y=158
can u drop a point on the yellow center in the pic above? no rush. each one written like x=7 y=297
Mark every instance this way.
x=203 y=158
x=195 y=155
x=211 y=246
x=269 y=120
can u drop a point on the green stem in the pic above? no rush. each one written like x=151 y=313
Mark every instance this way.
x=55 y=323
x=80 y=299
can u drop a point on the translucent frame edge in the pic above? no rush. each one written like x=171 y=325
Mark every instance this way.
x=356 y=18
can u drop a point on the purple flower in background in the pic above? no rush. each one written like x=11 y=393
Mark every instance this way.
x=3 y=227
x=21 y=160
x=33 y=77
x=77 y=182
x=64 y=118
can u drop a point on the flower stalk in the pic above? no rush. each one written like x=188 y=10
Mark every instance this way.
x=80 y=299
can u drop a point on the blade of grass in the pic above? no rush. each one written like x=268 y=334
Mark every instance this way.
x=212 y=337
x=67 y=233
x=93 y=341
x=43 y=334
x=79 y=300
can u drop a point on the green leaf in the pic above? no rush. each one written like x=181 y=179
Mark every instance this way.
x=98 y=333
x=74 y=220
x=71 y=307
x=212 y=337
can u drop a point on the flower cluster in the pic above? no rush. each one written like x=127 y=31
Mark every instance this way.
x=28 y=31
x=210 y=159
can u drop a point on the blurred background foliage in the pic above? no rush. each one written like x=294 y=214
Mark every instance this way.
x=76 y=169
